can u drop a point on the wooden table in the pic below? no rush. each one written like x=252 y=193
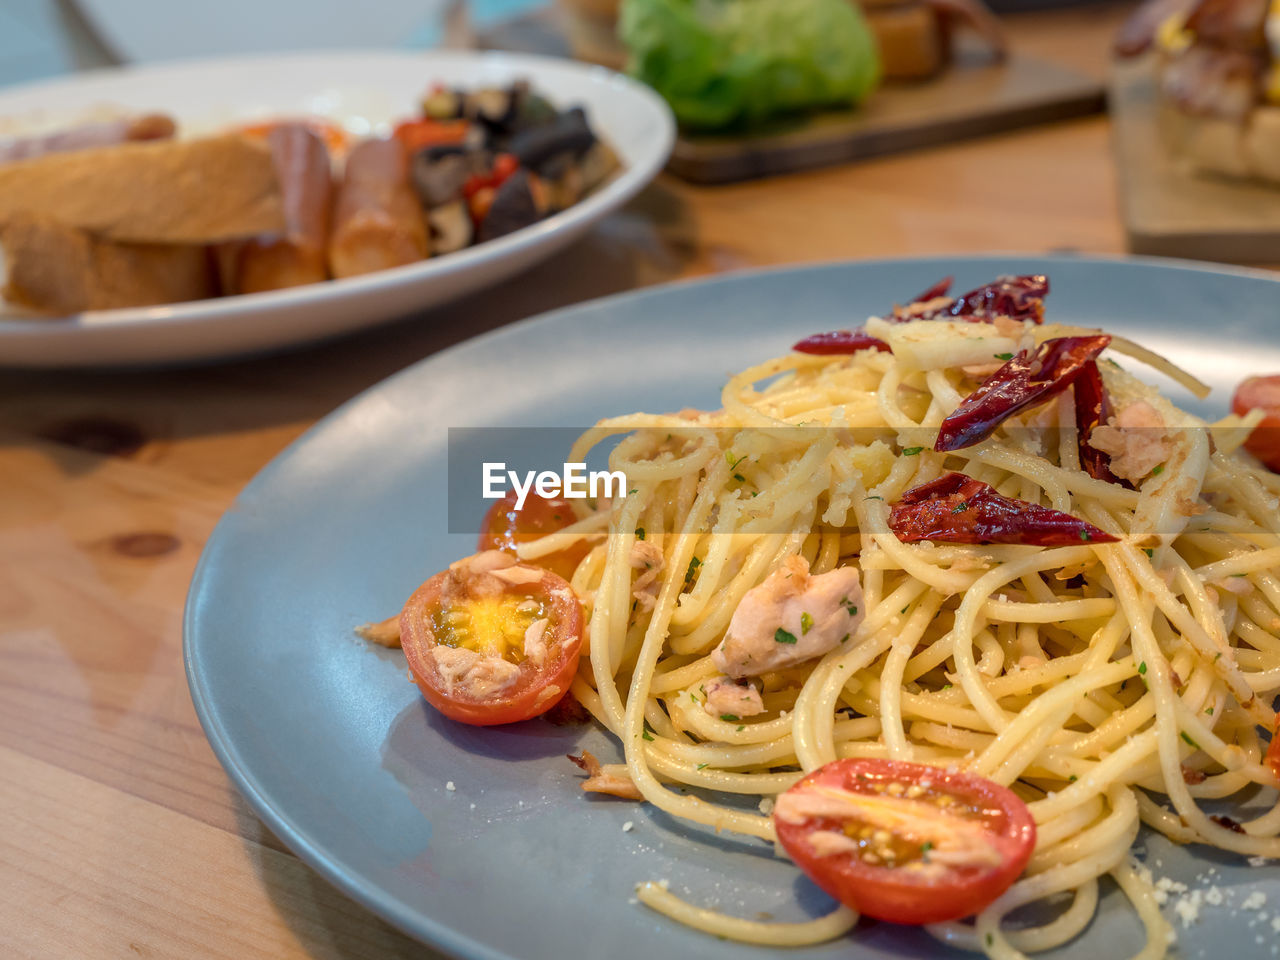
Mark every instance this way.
x=120 y=836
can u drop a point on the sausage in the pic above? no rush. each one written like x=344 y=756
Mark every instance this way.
x=377 y=220
x=150 y=126
x=298 y=255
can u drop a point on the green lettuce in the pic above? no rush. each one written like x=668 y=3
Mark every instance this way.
x=723 y=63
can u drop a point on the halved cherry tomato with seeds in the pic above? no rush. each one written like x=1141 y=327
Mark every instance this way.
x=505 y=527
x=905 y=842
x=491 y=640
x=1262 y=393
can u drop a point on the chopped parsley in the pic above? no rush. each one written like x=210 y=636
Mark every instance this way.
x=911 y=451
x=1142 y=669
x=639 y=533
x=701 y=766
x=990 y=939
x=873 y=498
x=782 y=636
x=1187 y=737
x=1149 y=551
x=1073 y=778
x=1086 y=535
x=960 y=507
x=845 y=638
x=1003 y=356
x=733 y=464
x=729 y=717
x=850 y=607
x=741 y=727
x=924 y=850
x=1157 y=470
x=647 y=733
x=740 y=478
x=806 y=623
x=1209 y=711
x=691 y=574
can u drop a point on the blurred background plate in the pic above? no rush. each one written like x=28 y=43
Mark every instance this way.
x=480 y=840
x=147 y=30
x=364 y=92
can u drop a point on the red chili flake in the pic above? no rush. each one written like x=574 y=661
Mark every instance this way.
x=959 y=509
x=1191 y=776
x=1228 y=823
x=840 y=341
x=1026 y=380
x=1021 y=298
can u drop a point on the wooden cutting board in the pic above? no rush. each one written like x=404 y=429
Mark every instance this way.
x=1168 y=210
x=973 y=98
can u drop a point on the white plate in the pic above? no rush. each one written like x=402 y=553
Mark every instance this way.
x=361 y=91
x=144 y=30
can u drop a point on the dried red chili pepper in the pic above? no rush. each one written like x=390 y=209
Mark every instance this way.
x=959 y=509
x=939 y=289
x=1021 y=298
x=840 y=341
x=1026 y=380
x=1093 y=406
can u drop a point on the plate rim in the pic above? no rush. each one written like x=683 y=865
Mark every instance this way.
x=383 y=904
x=133 y=320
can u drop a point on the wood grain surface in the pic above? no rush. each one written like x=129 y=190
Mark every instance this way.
x=120 y=836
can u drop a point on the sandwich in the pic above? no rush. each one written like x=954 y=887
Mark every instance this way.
x=1217 y=66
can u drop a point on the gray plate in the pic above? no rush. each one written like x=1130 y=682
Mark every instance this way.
x=339 y=756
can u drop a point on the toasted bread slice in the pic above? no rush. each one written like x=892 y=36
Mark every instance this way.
x=56 y=269
x=912 y=43
x=185 y=192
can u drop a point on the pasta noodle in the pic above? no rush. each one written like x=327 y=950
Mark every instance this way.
x=1095 y=679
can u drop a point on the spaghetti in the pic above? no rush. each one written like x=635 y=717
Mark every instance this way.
x=1088 y=677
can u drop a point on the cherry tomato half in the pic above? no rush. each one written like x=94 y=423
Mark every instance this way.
x=505 y=527
x=1262 y=393
x=491 y=640
x=905 y=842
